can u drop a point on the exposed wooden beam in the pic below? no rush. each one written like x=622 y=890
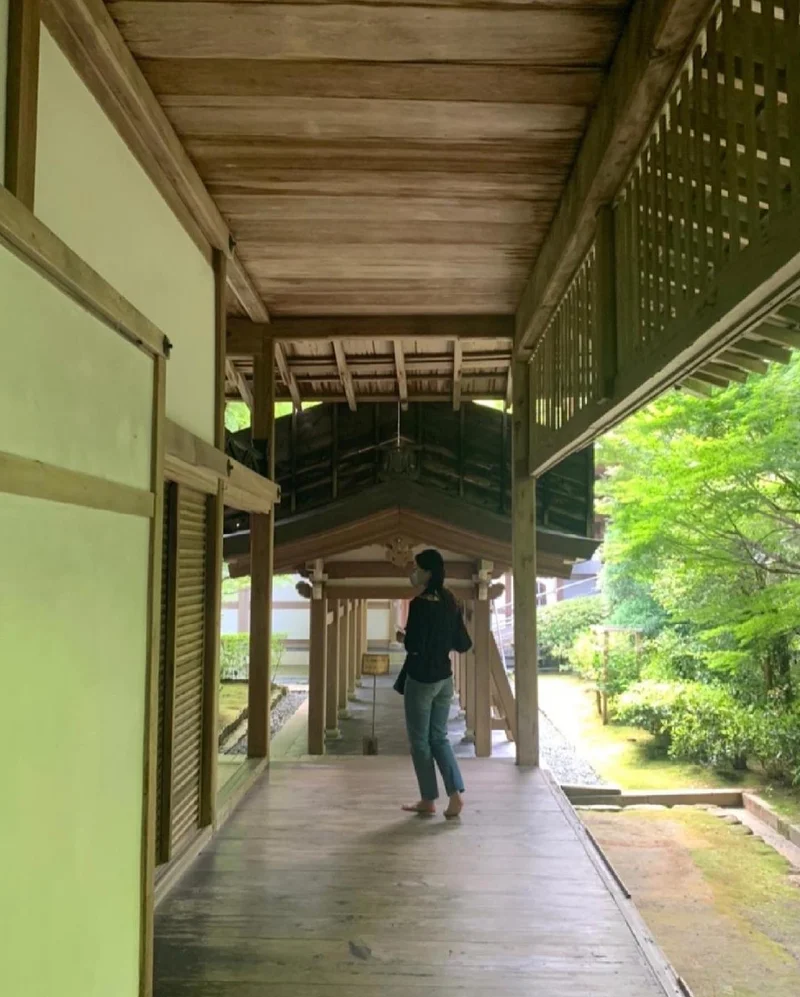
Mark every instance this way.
x=287 y=376
x=762 y=351
x=725 y=372
x=345 y=375
x=243 y=288
x=393 y=398
x=509 y=395
x=87 y=34
x=247 y=338
x=463 y=570
x=22 y=97
x=402 y=380
x=742 y=362
x=26 y=236
x=781 y=335
x=237 y=378
x=653 y=45
x=458 y=360
x=700 y=389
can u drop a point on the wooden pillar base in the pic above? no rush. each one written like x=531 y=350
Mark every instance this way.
x=333 y=735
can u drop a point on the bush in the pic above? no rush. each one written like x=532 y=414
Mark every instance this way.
x=234 y=657
x=559 y=626
x=650 y=705
x=710 y=728
x=776 y=743
x=586 y=657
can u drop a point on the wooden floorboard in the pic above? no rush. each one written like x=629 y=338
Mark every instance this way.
x=319 y=885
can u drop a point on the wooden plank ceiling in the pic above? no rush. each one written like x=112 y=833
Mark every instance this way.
x=378 y=158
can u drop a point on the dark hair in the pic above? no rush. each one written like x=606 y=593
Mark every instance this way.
x=431 y=560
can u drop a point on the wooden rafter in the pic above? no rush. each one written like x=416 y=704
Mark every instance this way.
x=246 y=338
x=647 y=57
x=457 y=368
x=402 y=380
x=344 y=374
x=22 y=99
x=239 y=380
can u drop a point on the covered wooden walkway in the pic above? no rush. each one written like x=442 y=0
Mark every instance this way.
x=319 y=886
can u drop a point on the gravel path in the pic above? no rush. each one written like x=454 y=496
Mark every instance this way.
x=281 y=713
x=560 y=756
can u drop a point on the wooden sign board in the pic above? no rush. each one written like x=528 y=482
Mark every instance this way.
x=374 y=664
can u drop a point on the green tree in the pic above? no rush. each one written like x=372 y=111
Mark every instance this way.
x=703 y=497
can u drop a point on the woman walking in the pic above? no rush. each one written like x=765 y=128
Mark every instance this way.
x=435 y=627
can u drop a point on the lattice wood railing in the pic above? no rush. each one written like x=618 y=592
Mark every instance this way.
x=709 y=214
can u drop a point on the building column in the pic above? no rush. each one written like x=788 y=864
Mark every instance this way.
x=344 y=659
x=317 y=660
x=261 y=557
x=352 y=659
x=332 y=732
x=483 y=685
x=523 y=538
x=469 y=679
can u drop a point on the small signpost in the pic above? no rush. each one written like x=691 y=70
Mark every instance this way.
x=374 y=665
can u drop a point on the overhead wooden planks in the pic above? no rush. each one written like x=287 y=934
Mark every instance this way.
x=417 y=131
x=386 y=33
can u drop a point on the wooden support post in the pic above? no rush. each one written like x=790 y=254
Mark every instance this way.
x=261 y=556
x=22 y=96
x=213 y=613
x=469 y=680
x=523 y=538
x=317 y=665
x=353 y=638
x=483 y=686
x=332 y=676
x=344 y=658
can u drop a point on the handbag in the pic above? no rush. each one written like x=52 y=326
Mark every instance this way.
x=462 y=642
x=400 y=681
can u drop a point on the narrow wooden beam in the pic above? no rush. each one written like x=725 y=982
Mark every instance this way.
x=235 y=377
x=483 y=686
x=332 y=676
x=344 y=659
x=244 y=290
x=751 y=364
x=605 y=311
x=213 y=612
x=523 y=540
x=246 y=338
x=655 y=41
x=317 y=664
x=458 y=361
x=352 y=642
x=402 y=380
x=345 y=375
x=262 y=542
x=220 y=263
x=150 y=744
x=287 y=376
x=22 y=96
x=25 y=235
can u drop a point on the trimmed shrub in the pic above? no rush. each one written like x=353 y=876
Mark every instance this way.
x=776 y=743
x=234 y=656
x=651 y=706
x=559 y=626
x=710 y=728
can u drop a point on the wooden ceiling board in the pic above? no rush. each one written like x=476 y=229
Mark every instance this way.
x=387 y=81
x=548 y=36
x=381 y=158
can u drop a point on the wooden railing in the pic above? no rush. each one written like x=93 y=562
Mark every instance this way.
x=705 y=237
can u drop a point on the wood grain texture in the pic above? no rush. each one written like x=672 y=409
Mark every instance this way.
x=319 y=883
x=400 y=81
x=22 y=98
x=387 y=33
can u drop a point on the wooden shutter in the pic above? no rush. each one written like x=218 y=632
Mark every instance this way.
x=187 y=727
x=165 y=678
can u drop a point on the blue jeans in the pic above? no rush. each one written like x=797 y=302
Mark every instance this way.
x=427 y=707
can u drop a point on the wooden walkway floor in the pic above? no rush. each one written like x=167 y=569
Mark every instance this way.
x=318 y=886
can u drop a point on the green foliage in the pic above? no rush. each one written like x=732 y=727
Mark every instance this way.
x=705 y=724
x=649 y=705
x=703 y=500
x=560 y=625
x=237 y=416
x=234 y=661
x=610 y=672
